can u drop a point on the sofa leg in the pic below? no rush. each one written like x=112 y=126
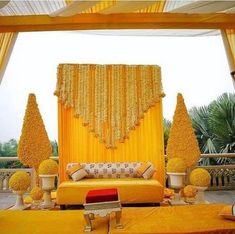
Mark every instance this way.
x=63 y=207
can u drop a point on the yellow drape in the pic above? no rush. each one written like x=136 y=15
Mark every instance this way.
x=145 y=143
x=229 y=45
x=7 y=41
x=231 y=38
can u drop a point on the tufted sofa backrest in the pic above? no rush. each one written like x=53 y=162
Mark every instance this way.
x=109 y=170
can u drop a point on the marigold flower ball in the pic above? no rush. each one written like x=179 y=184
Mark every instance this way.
x=190 y=191
x=36 y=193
x=20 y=181
x=168 y=193
x=48 y=167
x=200 y=177
x=176 y=165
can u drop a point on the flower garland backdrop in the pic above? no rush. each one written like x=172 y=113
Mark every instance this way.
x=111 y=99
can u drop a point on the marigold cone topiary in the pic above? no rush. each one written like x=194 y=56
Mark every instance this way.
x=20 y=181
x=48 y=167
x=200 y=177
x=182 y=141
x=176 y=165
x=34 y=145
x=36 y=193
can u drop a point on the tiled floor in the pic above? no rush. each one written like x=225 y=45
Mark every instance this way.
x=8 y=199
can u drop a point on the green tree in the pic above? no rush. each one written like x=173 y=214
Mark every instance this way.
x=166 y=129
x=222 y=123
x=214 y=127
x=54 y=146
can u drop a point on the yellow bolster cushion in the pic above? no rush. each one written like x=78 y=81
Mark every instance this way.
x=142 y=168
x=145 y=170
x=76 y=172
x=228 y=212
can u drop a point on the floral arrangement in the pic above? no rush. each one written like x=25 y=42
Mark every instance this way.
x=36 y=193
x=20 y=181
x=34 y=145
x=176 y=165
x=48 y=167
x=200 y=177
x=182 y=141
x=190 y=191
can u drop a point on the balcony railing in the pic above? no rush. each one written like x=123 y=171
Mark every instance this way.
x=5 y=173
x=222 y=176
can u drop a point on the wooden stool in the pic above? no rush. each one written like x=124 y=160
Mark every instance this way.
x=102 y=202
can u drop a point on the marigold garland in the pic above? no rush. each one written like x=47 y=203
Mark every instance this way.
x=182 y=141
x=36 y=193
x=200 y=177
x=111 y=99
x=48 y=167
x=176 y=165
x=20 y=181
x=34 y=145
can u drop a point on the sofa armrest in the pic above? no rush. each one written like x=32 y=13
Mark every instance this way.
x=156 y=177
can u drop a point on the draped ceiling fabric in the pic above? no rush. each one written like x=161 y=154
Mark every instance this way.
x=72 y=7
x=121 y=108
x=231 y=39
x=7 y=41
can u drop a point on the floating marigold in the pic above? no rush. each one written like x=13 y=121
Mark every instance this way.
x=190 y=191
x=200 y=177
x=20 y=181
x=36 y=193
x=48 y=167
x=34 y=145
x=176 y=165
x=182 y=141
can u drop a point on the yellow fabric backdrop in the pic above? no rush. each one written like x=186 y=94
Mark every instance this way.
x=145 y=143
x=231 y=38
x=7 y=41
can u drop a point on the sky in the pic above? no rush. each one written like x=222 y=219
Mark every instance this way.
x=195 y=66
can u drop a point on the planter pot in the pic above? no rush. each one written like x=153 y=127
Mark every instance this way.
x=19 y=205
x=200 y=198
x=48 y=184
x=48 y=181
x=176 y=180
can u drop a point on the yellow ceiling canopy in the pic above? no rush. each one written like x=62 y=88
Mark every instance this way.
x=44 y=15
x=73 y=7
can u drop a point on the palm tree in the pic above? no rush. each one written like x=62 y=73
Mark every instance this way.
x=222 y=123
x=215 y=127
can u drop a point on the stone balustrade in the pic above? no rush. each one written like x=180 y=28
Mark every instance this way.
x=222 y=176
x=5 y=174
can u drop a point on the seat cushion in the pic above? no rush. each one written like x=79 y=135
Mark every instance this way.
x=131 y=190
x=102 y=195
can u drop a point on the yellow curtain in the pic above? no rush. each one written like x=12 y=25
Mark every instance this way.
x=145 y=143
x=7 y=41
x=229 y=45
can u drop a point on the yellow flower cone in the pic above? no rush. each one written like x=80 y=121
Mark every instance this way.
x=34 y=145
x=182 y=142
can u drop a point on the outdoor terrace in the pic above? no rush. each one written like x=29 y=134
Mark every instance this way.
x=221 y=190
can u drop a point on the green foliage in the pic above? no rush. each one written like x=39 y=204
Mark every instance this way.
x=214 y=127
x=9 y=149
x=166 y=129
